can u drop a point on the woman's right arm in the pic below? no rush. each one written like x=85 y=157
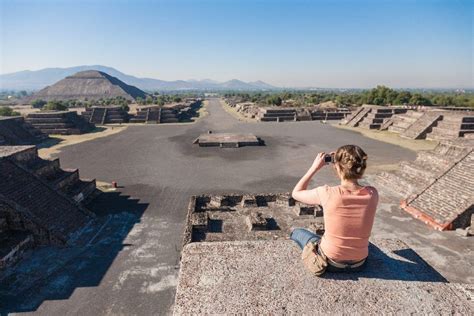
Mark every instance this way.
x=300 y=191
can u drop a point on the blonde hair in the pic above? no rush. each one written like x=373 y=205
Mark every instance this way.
x=352 y=161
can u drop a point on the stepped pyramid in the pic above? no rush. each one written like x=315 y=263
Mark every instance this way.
x=40 y=203
x=90 y=85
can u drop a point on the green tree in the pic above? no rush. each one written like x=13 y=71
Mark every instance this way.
x=38 y=104
x=55 y=106
x=8 y=111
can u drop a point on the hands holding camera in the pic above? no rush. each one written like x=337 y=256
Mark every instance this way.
x=321 y=160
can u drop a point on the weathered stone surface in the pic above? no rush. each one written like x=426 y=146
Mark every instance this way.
x=248 y=217
x=227 y=140
x=268 y=277
x=256 y=221
x=15 y=131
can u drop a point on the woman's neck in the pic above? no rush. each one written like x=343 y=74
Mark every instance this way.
x=350 y=184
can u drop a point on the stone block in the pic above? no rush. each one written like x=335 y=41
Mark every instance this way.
x=256 y=221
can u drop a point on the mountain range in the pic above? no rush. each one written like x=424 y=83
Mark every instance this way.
x=38 y=79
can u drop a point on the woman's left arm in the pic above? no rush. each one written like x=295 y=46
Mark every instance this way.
x=300 y=192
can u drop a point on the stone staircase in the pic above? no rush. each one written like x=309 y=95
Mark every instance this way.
x=105 y=115
x=357 y=116
x=422 y=126
x=453 y=125
x=377 y=116
x=400 y=122
x=168 y=115
x=41 y=200
x=59 y=122
x=448 y=201
x=16 y=131
x=276 y=115
x=414 y=177
x=328 y=115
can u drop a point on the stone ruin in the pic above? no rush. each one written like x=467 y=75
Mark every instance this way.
x=16 y=131
x=438 y=187
x=227 y=140
x=371 y=116
x=236 y=258
x=436 y=125
x=101 y=115
x=173 y=114
x=247 y=217
x=287 y=114
x=40 y=203
x=155 y=115
x=59 y=122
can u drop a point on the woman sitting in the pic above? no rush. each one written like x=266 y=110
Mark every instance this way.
x=349 y=211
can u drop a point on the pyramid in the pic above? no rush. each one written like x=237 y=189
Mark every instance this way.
x=90 y=85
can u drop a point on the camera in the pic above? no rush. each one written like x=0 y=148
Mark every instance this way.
x=329 y=158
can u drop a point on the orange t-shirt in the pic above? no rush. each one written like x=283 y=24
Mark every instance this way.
x=348 y=220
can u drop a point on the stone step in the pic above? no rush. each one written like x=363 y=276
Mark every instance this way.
x=80 y=190
x=64 y=178
x=396 y=129
x=378 y=115
x=439 y=133
x=62 y=131
x=369 y=125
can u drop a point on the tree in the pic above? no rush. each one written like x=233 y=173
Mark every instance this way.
x=177 y=99
x=7 y=111
x=55 y=106
x=418 y=99
x=38 y=104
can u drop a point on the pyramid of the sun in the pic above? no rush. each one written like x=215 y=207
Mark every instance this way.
x=90 y=85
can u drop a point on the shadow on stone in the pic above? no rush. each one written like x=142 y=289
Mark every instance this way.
x=402 y=265
x=54 y=273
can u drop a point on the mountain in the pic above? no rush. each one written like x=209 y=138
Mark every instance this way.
x=35 y=80
x=88 y=85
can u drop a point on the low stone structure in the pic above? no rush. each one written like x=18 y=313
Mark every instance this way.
x=372 y=116
x=227 y=140
x=247 y=217
x=453 y=125
x=59 y=122
x=436 y=124
x=40 y=203
x=16 y=131
x=268 y=277
x=438 y=187
x=287 y=113
x=101 y=115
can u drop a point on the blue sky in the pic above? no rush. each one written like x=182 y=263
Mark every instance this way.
x=287 y=43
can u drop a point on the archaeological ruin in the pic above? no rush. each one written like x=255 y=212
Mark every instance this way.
x=227 y=140
x=247 y=217
x=230 y=241
x=40 y=203
x=88 y=85
x=16 y=131
x=438 y=187
x=59 y=122
x=287 y=114
x=101 y=115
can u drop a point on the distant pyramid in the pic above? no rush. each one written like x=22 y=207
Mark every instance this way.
x=90 y=85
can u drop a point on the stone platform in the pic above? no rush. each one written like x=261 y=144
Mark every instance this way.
x=268 y=277
x=227 y=140
x=248 y=217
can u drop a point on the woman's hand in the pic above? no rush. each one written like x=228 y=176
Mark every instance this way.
x=318 y=162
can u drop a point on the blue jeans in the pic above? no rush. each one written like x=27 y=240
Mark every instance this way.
x=303 y=236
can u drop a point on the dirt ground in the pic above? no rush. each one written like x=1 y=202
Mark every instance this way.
x=54 y=146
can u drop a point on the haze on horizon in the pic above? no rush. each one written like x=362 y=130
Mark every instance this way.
x=329 y=44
